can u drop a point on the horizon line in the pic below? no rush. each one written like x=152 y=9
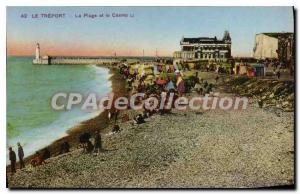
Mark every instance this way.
x=86 y=56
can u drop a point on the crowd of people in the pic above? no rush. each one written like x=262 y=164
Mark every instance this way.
x=162 y=83
x=13 y=158
x=90 y=145
x=165 y=81
x=40 y=157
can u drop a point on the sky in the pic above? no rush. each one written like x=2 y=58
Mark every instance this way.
x=145 y=28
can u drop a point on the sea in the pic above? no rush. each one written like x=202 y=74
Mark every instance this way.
x=30 y=118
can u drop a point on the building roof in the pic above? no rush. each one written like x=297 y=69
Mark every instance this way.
x=226 y=36
x=208 y=40
x=276 y=34
x=201 y=40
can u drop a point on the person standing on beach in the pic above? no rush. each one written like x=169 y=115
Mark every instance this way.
x=21 y=156
x=64 y=148
x=98 y=145
x=116 y=114
x=89 y=147
x=278 y=74
x=46 y=154
x=12 y=158
x=217 y=78
x=180 y=85
x=109 y=115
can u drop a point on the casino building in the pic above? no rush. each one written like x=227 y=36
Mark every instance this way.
x=204 y=48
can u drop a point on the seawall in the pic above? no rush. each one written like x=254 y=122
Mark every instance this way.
x=82 y=60
x=47 y=60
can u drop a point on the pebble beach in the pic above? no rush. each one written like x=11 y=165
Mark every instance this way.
x=249 y=148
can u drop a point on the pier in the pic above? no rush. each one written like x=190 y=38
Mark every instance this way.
x=87 y=60
x=76 y=60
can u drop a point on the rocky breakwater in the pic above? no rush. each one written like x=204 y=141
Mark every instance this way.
x=266 y=92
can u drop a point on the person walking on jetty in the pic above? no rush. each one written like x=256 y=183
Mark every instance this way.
x=98 y=144
x=12 y=158
x=21 y=156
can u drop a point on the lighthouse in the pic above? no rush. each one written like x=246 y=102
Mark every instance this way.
x=37 y=52
x=38 y=59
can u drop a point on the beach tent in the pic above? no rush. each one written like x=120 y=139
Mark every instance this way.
x=140 y=70
x=175 y=66
x=167 y=68
x=250 y=72
x=191 y=65
x=260 y=70
x=155 y=70
x=243 y=70
x=161 y=67
x=149 y=76
x=171 y=76
x=136 y=67
x=149 y=79
x=236 y=69
x=170 y=85
x=171 y=68
x=179 y=66
x=161 y=81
